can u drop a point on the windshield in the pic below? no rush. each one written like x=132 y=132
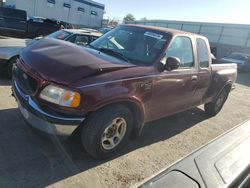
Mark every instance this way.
x=138 y=45
x=62 y=35
x=238 y=56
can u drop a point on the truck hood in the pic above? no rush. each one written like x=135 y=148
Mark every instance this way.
x=65 y=63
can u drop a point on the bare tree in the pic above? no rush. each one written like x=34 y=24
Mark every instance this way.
x=128 y=18
x=113 y=22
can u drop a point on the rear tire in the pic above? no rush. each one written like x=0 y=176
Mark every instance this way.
x=213 y=108
x=106 y=131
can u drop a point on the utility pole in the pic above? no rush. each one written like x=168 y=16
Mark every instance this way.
x=68 y=21
x=35 y=9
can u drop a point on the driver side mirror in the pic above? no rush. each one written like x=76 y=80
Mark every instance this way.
x=172 y=63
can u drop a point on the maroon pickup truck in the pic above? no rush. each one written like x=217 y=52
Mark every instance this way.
x=107 y=91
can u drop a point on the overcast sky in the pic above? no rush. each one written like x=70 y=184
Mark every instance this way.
x=222 y=11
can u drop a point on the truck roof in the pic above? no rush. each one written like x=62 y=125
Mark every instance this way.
x=163 y=29
x=84 y=31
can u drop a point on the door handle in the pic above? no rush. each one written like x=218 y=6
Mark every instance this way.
x=22 y=21
x=194 y=78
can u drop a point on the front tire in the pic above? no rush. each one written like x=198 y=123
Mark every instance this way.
x=213 y=108
x=106 y=131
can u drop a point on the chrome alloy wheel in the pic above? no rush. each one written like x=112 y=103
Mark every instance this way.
x=114 y=133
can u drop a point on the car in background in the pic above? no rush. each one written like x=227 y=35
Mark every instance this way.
x=105 y=30
x=78 y=36
x=39 y=26
x=241 y=59
x=11 y=47
x=14 y=22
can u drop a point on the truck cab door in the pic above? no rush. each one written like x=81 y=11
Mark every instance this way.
x=173 y=91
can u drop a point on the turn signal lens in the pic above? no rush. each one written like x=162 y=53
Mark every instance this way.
x=76 y=100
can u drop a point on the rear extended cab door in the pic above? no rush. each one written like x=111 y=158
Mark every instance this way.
x=204 y=69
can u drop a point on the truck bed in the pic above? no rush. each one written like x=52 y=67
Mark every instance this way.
x=224 y=66
x=222 y=74
x=227 y=71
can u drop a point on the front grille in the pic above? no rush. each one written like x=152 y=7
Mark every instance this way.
x=27 y=84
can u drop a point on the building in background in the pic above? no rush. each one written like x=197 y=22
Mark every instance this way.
x=223 y=38
x=84 y=13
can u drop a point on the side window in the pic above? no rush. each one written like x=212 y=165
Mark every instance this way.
x=182 y=48
x=72 y=39
x=93 y=38
x=203 y=54
x=82 y=40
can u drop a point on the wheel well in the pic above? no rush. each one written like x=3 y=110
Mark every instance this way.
x=138 y=116
x=228 y=87
x=7 y=62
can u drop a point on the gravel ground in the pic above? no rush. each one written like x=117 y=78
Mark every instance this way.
x=30 y=159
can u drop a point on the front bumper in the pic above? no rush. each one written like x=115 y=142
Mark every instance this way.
x=41 y=120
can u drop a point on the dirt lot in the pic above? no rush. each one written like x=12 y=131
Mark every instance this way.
x=28 y=159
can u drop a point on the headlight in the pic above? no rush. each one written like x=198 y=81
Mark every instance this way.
x=60 y=96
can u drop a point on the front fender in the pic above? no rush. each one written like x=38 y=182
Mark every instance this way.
x=135 y=105
x=95 y=98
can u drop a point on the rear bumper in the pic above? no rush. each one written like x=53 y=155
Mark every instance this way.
x=41 y=120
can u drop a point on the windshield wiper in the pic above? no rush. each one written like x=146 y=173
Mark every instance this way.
x=114 y=53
